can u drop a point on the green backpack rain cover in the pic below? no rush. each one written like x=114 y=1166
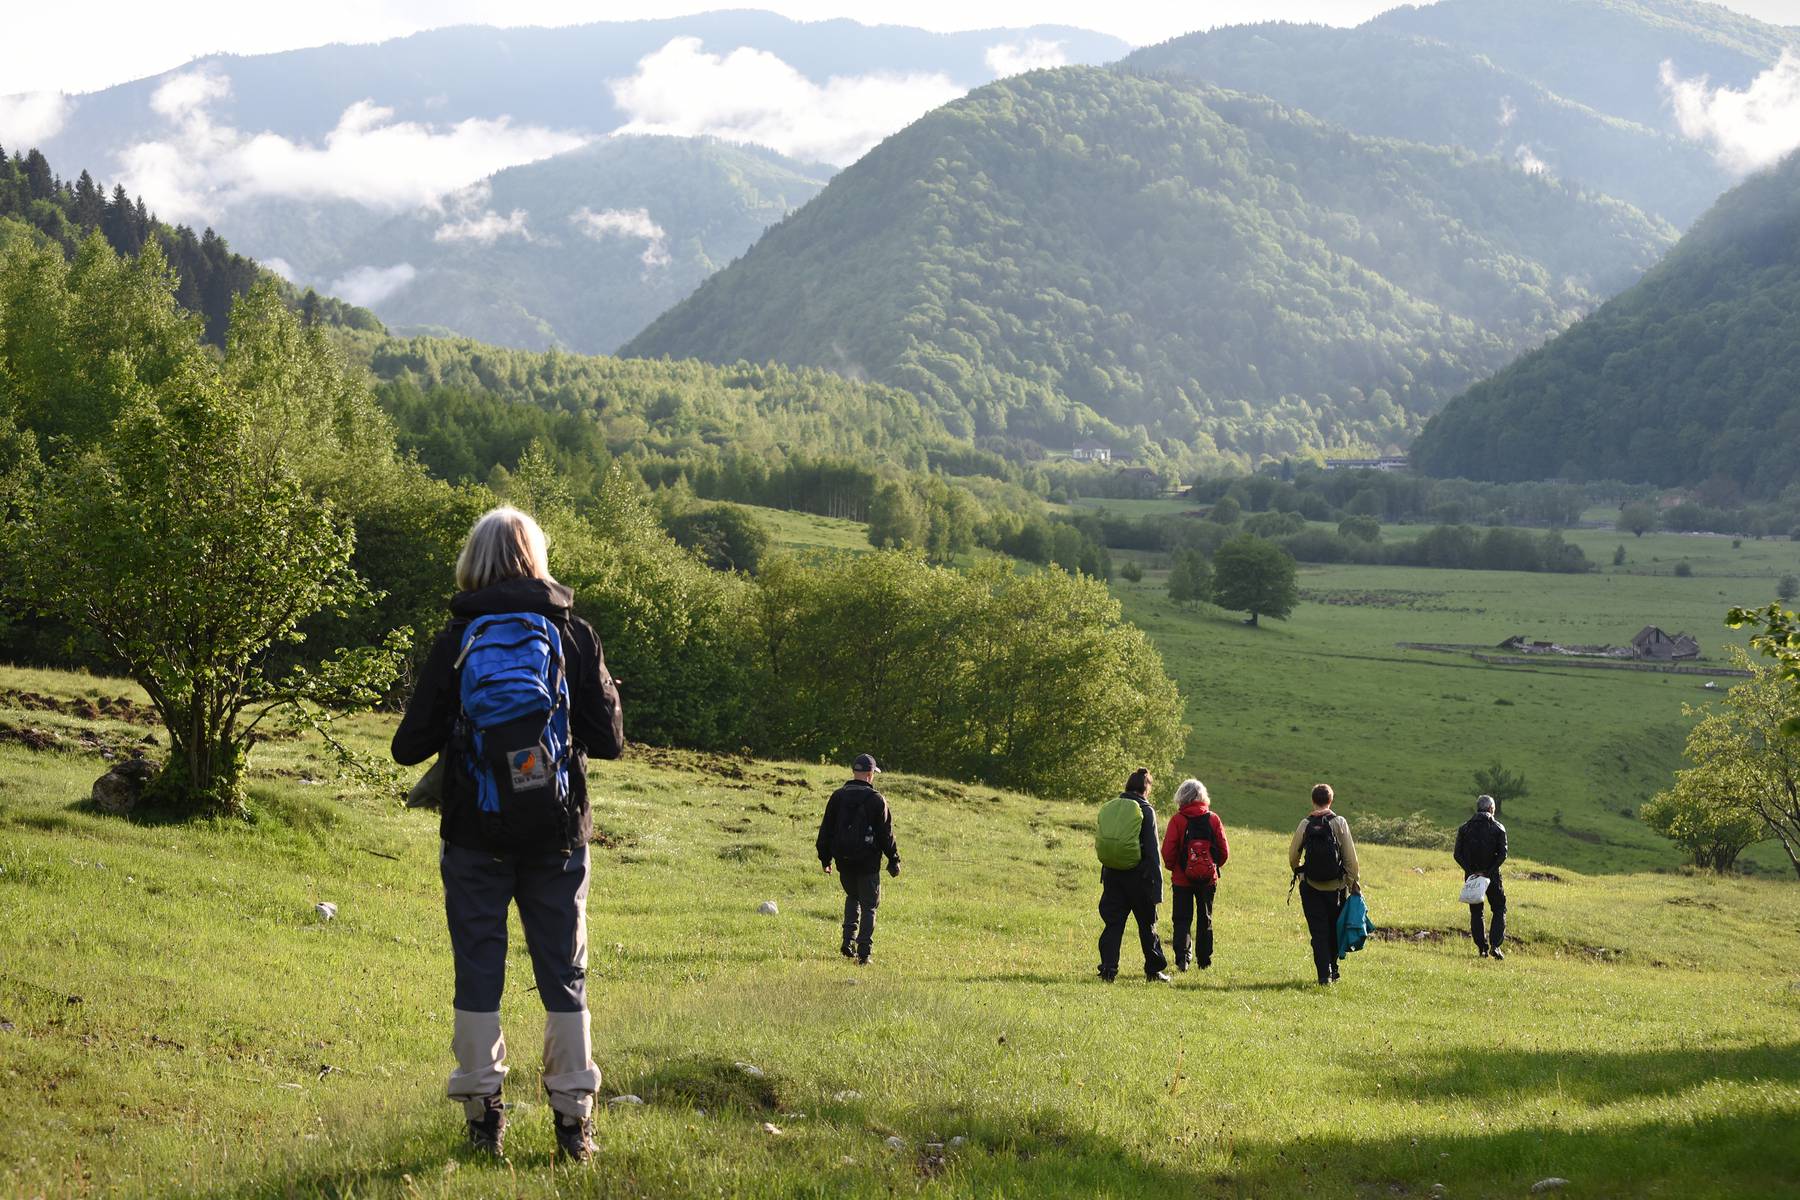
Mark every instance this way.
x=1116 y=837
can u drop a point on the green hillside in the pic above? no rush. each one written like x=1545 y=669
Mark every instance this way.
x=1605 y=54
x=579 y=251
x=1095 y=249
x=1383 y=83
x=1689 y=376
x=176 y=1019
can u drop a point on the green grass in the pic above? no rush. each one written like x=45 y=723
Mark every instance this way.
x=1162 y=506
x=1326 y=695
x=806 y=534
x=170 y=1004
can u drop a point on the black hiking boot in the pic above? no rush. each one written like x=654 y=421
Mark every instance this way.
x=1497 y=956
x=487 y=1135
x=847 y=950
x=574 y=1138
x=1181 y=964
x=1107 y=976
x=862 y=958
x=1156 y=977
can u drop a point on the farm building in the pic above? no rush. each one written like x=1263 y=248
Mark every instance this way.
x=1652 y=642
x=1091 y=452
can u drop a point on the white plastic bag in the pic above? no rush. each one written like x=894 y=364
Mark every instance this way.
x=1474 y=889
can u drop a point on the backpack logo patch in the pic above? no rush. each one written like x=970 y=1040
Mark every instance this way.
x=530 y=768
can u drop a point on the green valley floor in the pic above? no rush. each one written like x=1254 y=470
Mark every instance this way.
x=176 y=1018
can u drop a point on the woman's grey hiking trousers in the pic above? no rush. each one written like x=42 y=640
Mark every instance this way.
x=551 y=892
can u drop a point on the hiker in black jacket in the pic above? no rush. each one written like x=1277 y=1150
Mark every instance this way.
x=857 y=830
x=1134 y=892
x=503 y=569
x=1480 y=849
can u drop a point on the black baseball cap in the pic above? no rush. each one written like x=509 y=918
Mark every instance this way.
x=865 y=762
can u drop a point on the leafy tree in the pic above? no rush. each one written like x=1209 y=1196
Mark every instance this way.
x=1131 y=572
x=1503 y=785
x=1618 y=556
x=1636 y=519
x=726 y=537
x=1362 y=527
x=895 y=519
x=1225 y=511
x=1190 y=578
x=1788 y=588
x=1255 y=576
x=1705 y=817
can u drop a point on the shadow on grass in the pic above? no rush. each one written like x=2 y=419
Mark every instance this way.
x=1595 y=1079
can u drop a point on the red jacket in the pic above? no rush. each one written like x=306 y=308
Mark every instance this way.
x=1172 y=855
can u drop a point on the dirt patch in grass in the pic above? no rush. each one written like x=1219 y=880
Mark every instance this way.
x=103 y=708
x=85 y=741
x=1430 y=937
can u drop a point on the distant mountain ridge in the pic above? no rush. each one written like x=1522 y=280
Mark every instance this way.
x=578 y=251
x=1691 y=375
x=1167 y=264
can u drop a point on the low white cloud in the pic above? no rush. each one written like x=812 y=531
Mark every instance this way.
x=751 y=95
x=1529 y=162
x=1509 y=112
x=203 y=166
x=281 y=267
x=626 y=223
x=1015 y=58
x=485 y=228
x=372 y=285
x=1747 y=129
x=32 y=117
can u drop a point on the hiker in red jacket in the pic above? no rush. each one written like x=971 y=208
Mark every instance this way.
x=1194 y=849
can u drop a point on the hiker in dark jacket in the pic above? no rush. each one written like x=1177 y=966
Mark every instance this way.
x=1194 y=821
x=857 y=830
x=1480 y=849
x=503 y=569
x=1134 y=892
x=1322 y=857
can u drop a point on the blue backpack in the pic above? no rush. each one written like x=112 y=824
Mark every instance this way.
x=515 y=727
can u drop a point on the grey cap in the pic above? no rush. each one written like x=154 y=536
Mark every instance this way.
x=865 y=762
x=1484 y=803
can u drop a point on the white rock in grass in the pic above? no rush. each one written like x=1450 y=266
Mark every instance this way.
x=628 y=1098
x=750 y=1069
x=958 y=1142
x=896 y=1143
x=326 y=909
x=771 y=1130
x=1553 y=1184
x=846 y=1096
x=767 y=908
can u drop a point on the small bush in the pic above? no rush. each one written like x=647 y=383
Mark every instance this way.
x=1415 y=831
x=1683 y=570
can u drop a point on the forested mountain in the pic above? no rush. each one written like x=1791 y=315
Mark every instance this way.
x=1606 y=54
x=36 y=205
x=1098 y=249
x=1692 y=375
x=1377 y=80
x=579 y=251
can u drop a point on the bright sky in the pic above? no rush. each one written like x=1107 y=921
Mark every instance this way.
x=188 y=29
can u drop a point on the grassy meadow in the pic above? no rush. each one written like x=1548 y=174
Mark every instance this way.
x=176 y=1019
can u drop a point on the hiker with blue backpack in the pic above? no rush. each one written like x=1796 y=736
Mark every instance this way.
x=1323 y=860
x=513 y=698
x=1130 y=877
x=1194 y=848
x=856 y=831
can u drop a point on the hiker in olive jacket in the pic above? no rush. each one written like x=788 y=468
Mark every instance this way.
x=857 y=830
x=1323 y=859
x=1480 y=849
x=1134 y=892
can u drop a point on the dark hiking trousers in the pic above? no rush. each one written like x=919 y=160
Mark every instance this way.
x=1322 y=909
x=1120 y=900
x=1194 y=905
x=1496 y=899
x=551 y=892
x=862 y=895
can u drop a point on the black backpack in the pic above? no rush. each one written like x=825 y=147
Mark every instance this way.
x=1320 y=859
x=857 y=837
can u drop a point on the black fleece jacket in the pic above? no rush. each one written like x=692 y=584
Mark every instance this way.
x=1480 y=845
x=596 y=721
x=858 y=792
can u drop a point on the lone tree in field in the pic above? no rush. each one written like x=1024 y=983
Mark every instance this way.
x=1255 y=576
x=1503 y=785
x=1787 y=588
x=1705 y=817
x=183 y=523
x=1190 y=578
x=1636 y=519
x=1131 y=572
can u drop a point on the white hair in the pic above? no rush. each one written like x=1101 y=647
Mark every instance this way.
x=503 y=544
x=1190 y=791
